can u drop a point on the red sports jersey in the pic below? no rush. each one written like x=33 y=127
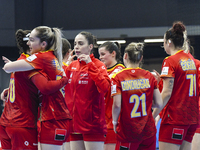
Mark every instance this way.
x=22 y=101
x=197 y=62
x=136 y=87
x=53 y=106
x=84 y=95
x=182 y=107
x=108 y=98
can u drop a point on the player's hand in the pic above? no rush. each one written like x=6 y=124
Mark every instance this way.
x=156 y=75
x=71 y=57
x=4 y=94
x=85 y=58
x=115 y=128
x=6 y=60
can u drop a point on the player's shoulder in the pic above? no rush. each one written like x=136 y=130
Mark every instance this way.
x=121 y=72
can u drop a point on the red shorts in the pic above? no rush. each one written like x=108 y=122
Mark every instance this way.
x=87 y=137
x=197 y=130
x=148 y=144
x=55 y=132
x=176 y=133
x=18 y=138
x=110 y=137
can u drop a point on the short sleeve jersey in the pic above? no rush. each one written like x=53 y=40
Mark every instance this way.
x=53 y=105
x=108 y=98
x=136 y=87
x=182 y=107
x=22 y=101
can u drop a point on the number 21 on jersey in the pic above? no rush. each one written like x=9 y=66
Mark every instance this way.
x=137 y=102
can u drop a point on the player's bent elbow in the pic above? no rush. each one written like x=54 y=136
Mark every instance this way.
x=7 y=69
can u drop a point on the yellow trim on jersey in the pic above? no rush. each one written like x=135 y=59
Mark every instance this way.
x=115 y=67
x=46 y=51
x=27 y=55
x=33 y=74
x=65 y=64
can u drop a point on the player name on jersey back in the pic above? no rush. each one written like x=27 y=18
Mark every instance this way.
x=135 y=84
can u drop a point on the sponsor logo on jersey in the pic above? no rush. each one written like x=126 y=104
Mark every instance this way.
x=31 y=58
x=187 y=65
x=82 y=82
x=103 y=67
x=177 y=133
x=60 y=134
x=84 y=76
x=135 y=84
x=165 y=71
x=73 y=68
x=26 y=143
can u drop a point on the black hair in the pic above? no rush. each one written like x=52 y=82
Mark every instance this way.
x=113 y=46
x=66 y=46
x=21 y=40
x=176 y=34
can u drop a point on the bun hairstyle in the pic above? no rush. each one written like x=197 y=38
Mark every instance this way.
x=135 y=52
x=177 y=34
x=113 y=46
x=53 y=38
x=21 y=40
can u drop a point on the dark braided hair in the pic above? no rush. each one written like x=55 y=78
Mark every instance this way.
x=21 y=43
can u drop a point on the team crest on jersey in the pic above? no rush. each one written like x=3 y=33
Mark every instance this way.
x=56 y=64
x=31 y=58
x=165 y=71
x=84 y=76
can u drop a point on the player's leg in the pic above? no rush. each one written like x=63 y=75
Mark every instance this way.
x=110 y=140
x=196 y=142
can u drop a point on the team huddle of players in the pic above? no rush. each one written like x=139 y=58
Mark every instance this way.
x=56 y=102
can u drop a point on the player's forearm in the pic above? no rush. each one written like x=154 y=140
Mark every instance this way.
x=165 y=97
